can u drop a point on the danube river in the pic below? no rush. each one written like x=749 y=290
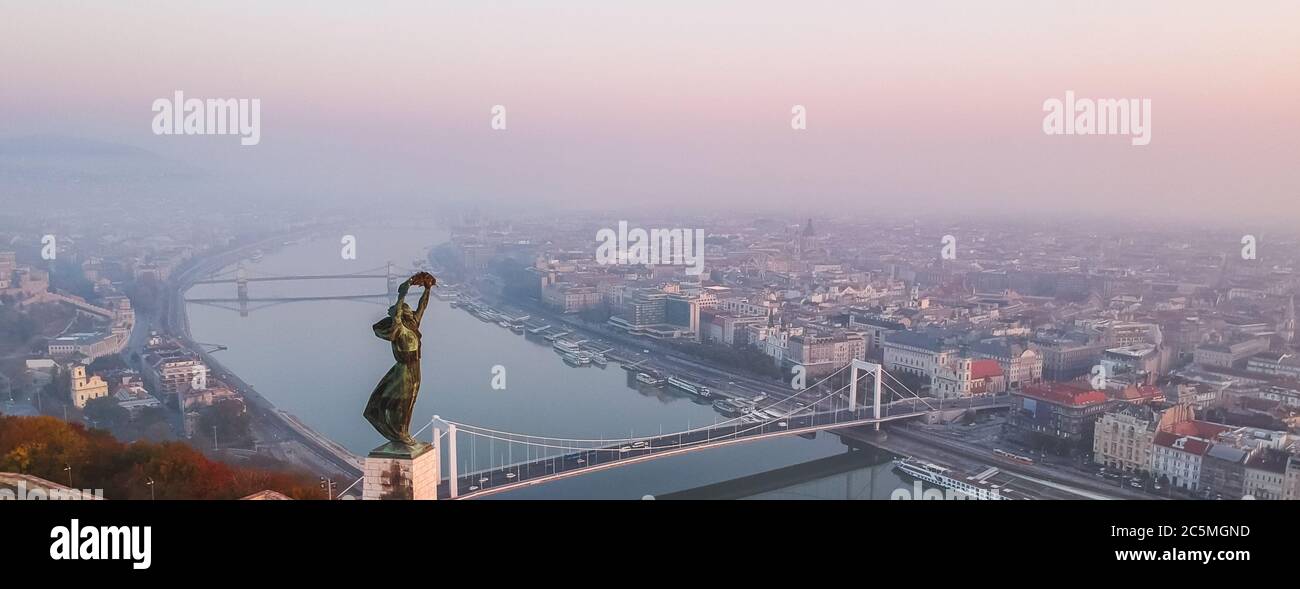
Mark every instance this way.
x=319 y=360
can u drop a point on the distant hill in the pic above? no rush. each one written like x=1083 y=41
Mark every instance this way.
x=54 y=157
x=57 y=170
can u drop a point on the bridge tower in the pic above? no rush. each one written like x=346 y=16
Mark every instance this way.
x=392 y=280
x=877 y=376
x=241 y=283
x=451 y=461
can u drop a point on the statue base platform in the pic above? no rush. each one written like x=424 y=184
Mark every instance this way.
x=398 y=471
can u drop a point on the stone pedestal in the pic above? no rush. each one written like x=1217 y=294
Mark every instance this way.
x=400 y=472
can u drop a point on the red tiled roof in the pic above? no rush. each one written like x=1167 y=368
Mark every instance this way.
x=1200 y=429
x=1191 y=445
x=1062 y=393
x=984 y=369
x=1142 y=393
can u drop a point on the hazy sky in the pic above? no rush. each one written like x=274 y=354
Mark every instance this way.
x=910 y=104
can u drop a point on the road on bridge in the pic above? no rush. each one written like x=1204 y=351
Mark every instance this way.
x=572 y=463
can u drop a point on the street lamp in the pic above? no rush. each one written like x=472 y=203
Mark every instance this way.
x=149 y=484
x=329 y=485
x=68 y=469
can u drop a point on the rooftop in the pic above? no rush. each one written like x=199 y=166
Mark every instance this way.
x=1061 y=393
x=1188 y=444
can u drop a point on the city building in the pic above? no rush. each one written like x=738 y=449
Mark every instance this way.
x=1292 y=489
x=727 y=328
x=135 y=398
x=1230 y=355
x=1057 y=416
x=1137 y=364
x=8 y=264
x=570 y=298
x=90 y=346
x=1021 y=365
x=918 y=354
x=1066 y=359
x=823 y=355
x=172 y=370
x=875 y=329
x=85 y=388
x=1127 y=333
x=965 y=377
x=1176 y=459
x=1284 y=364
x=1265 y=476
x=1123 y=437
x=1223 y=471
x=645 y=307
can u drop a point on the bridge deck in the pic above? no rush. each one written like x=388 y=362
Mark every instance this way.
x=579 y=462
x=284 y=299
x=300 y=277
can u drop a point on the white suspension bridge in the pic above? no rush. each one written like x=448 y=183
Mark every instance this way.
x=516 y=460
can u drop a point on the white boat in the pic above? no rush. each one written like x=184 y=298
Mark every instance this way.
x=732 y=407
x=644 y=378
x=577 y=358
x=565 y=346
x=763 y=414
x=943 y=477
x=691 y=388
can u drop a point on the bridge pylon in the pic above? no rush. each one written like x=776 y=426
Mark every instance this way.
x=876 y=371
x=241 y=283
x=454 y=477
x=392 y=280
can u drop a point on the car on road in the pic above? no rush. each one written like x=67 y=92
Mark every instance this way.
x=473 y=487
x=782 y=424
x=639 y=445
x=484 y=480
x=624 y=449
x=582 y=461
x=510 y=475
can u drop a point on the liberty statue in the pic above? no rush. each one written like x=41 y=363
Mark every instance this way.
x=393 y=400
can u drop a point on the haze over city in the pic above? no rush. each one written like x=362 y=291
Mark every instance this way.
x=934 y=106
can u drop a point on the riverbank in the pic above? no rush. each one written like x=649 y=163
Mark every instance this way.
x=275 y=432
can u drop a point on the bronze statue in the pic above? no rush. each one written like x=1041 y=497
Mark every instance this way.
x=393 y=400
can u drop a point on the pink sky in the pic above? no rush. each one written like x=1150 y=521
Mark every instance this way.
x=934 y=104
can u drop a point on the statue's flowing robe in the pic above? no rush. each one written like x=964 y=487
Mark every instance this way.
x=393 y=400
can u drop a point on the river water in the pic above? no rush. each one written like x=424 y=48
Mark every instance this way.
x=319 y=360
